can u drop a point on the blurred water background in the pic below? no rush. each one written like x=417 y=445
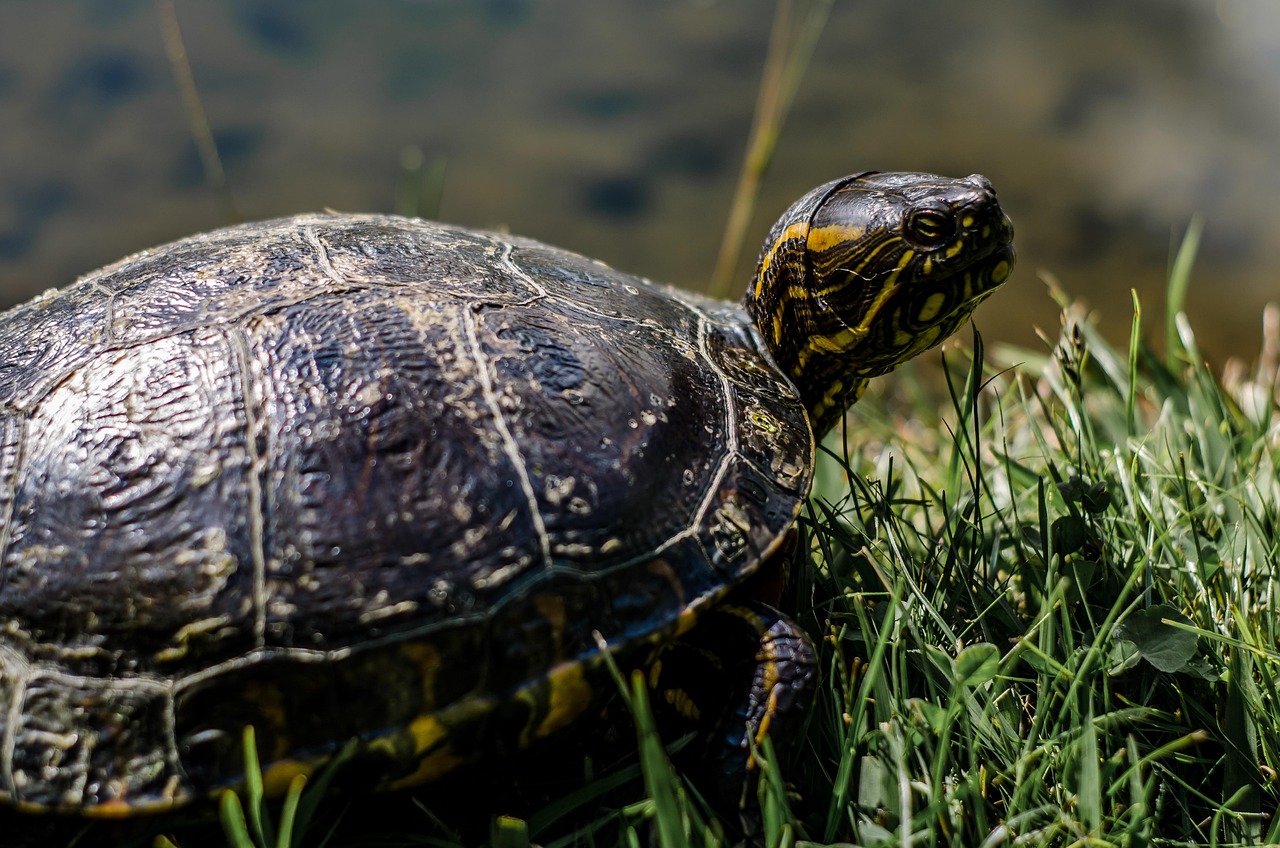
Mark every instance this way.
x=616 y=128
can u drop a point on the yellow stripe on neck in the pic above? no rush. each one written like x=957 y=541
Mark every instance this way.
x=836 y=342
x=844 y=338
x=838 y=397
x=825 y=238
x=798 y=230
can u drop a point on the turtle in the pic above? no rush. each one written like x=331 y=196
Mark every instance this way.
x=380 y=485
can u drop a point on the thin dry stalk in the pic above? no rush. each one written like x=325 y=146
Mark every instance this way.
x=784 y=67
x=175 y=48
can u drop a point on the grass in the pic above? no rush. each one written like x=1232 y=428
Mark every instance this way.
x=1045 y=606
x=1050 y=613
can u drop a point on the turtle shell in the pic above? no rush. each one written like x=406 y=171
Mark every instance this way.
x=365 y=477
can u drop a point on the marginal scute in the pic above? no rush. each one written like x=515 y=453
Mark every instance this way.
x=735 y=531
x=70 y=752
x=773 y=432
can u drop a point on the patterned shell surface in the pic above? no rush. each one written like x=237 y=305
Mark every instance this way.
x=416 y=463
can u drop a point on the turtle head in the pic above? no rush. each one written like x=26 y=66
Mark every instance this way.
x=863 y=273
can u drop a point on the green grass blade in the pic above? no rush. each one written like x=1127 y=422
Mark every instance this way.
x=289 y=812
x=671 y=818
x=234 y=826
x=1178 y=284
x=255 y=797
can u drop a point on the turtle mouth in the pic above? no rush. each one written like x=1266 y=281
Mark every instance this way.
x=988 y=273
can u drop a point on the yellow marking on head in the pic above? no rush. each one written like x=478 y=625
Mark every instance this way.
x=855 y=272
x=966 y=221
x=570 y=695
x=931 y=307
x=842 y=340
x=866 y=258
x=954 y=250
x=1000 y=272
x=798 y=230
x=887 y=288
x=903 y=261
x=825 y=238
x=278 y=776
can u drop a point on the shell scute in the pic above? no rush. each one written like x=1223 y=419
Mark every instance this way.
x=389 y=252
x=209 y=281
x=737 y=529
x=43 y=339
x=615 y=444
x=119 y=527
x=386 y=473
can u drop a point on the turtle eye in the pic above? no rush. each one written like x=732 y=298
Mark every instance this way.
x=930 y=224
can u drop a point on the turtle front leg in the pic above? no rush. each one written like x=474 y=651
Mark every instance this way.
x=744 y=672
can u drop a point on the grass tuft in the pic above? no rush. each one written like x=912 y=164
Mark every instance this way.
x=1050 y=620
